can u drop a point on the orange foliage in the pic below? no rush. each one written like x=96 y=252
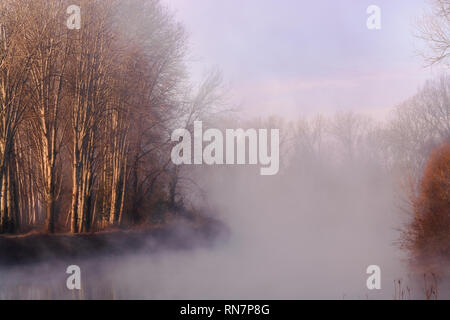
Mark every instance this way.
x=429 y=232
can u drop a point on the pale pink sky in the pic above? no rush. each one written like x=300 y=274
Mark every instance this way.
x=298 y=57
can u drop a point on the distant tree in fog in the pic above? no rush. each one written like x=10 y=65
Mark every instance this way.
x=205 y=105
x=420 y=124
x=350 y=131
x=309 y=134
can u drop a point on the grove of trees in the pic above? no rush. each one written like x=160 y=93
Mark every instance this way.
x=85 y=114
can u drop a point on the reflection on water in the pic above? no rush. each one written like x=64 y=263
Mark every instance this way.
x=266 y=264
x=48 y=282
x=201 y=274
x=114 y=265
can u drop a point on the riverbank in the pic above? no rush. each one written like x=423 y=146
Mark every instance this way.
x=177 y=235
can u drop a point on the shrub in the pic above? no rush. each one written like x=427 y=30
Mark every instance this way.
x=428 y=235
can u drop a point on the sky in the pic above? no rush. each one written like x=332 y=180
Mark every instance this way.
x=298 y=57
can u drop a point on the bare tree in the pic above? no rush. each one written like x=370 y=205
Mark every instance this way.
x=92 y=54
x=14 y=75
x=419 y=125
x=49 y=40
x=350 y=130
x=434 y=30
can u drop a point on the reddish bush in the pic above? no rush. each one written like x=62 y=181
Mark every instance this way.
x=428 y=234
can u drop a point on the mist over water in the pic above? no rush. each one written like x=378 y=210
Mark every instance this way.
x=309 y=232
